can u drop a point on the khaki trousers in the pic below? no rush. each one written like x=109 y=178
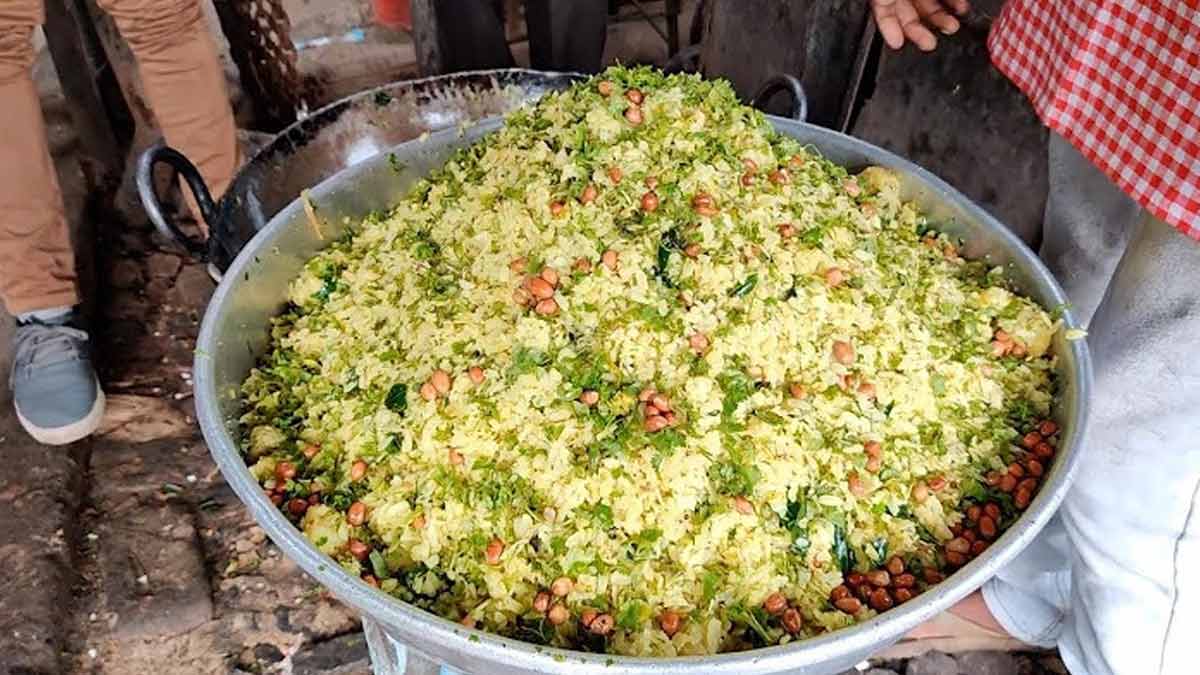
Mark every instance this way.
x=183 y=81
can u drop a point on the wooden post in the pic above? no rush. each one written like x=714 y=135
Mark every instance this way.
x=426 y=37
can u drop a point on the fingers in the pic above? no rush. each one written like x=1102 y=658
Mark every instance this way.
x=934 y=13
x=906 y=19
x=910 y=23
x=889 y=24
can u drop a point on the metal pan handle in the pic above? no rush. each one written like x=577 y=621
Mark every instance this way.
x=161 y=153
x=785 y=83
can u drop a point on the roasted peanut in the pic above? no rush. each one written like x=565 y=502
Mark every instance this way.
x=602 y=624
x=920 y=492
x=285 y=471
x=1022 y=498
x=855 y=485
x=558 y=614
x=879 y=578
x=992 y=510
x=494 y=549
x=848 y=605
x=562 y=586
x=441 y=381
x=881 y=600
x=704 y=204
x=775 y=604
x=843 y=352
x=1007 y=483
x=973 y=513
x=987 y=527
x=669 y=622
x=356 y=515
x=589 y=194
x=791 y=620
x=655 y=423
x=958 y=545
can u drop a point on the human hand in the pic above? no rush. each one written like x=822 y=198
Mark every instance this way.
x=911 y=19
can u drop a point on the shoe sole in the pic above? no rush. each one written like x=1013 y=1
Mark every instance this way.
x=70 y=433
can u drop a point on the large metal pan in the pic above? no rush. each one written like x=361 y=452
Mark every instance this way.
x=234 y=334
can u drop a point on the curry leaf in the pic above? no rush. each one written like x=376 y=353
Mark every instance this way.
x=397 y=398
x=744 y=287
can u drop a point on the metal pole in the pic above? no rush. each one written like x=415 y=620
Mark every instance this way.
x=98 y=107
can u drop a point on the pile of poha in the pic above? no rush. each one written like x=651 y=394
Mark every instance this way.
x=638 y=374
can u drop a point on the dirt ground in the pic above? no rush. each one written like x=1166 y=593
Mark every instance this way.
x=127 y=553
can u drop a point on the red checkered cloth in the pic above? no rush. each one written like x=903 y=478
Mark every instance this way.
x=1120 y=80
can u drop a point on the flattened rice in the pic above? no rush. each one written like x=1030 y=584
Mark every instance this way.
x=638 y=374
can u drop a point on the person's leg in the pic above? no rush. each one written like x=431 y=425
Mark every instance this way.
x=1087 y=223
x=182 y=75
x=55 y=391
x=37 y=265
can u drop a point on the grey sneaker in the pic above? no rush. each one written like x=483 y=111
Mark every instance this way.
x=55 y=389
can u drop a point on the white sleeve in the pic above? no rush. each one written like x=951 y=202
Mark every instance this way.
x=1132 y=518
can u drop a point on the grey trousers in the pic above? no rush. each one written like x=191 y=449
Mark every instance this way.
x=1114 y=580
